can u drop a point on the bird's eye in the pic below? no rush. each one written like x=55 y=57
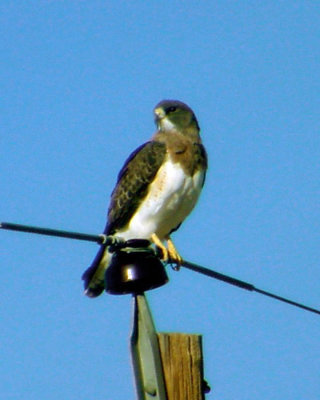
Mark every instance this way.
x=171 y=109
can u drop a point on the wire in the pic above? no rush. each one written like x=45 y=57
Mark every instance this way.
x=244 y=285
x=107 y=240
x=53 y=232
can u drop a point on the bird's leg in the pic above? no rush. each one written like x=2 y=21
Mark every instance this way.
x=173 y=253
x=158 y=243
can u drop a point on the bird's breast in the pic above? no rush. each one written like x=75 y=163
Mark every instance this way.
x=169 y=200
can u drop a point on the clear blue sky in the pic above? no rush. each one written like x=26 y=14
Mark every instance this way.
x=79 y=80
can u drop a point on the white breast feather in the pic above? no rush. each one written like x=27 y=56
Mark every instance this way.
x=171 y=198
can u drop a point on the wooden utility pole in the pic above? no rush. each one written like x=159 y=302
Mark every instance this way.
x=182 y=363
x=167 y=366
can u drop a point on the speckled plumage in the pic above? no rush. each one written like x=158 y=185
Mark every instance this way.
x=157 y=187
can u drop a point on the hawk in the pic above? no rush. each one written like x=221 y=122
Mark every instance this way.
x=157 y=188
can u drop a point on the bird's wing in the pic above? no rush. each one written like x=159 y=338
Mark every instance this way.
x=201 y=159
x=131 y=188
x=133 y=182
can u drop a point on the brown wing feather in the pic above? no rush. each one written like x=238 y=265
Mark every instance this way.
x=201 y=159
x=133 y=181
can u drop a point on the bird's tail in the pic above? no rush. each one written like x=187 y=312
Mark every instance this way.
x=94 y=276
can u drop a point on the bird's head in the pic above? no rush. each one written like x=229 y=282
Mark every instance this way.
x=175 y=115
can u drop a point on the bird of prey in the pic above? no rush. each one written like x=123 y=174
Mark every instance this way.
x=157 y=188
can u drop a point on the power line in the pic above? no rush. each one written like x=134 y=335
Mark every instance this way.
x=109 y=240
x=244 y=285
x=101 y=239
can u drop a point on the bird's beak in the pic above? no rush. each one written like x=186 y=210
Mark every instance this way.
x=159 y=113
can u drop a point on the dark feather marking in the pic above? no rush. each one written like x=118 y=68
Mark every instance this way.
x=201 y=159
x=133 y=182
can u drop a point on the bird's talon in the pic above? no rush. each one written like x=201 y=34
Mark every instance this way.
x=174 y=255
x=168 y=255
x=164 y=256
x=176 y=267
x=161 y=248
